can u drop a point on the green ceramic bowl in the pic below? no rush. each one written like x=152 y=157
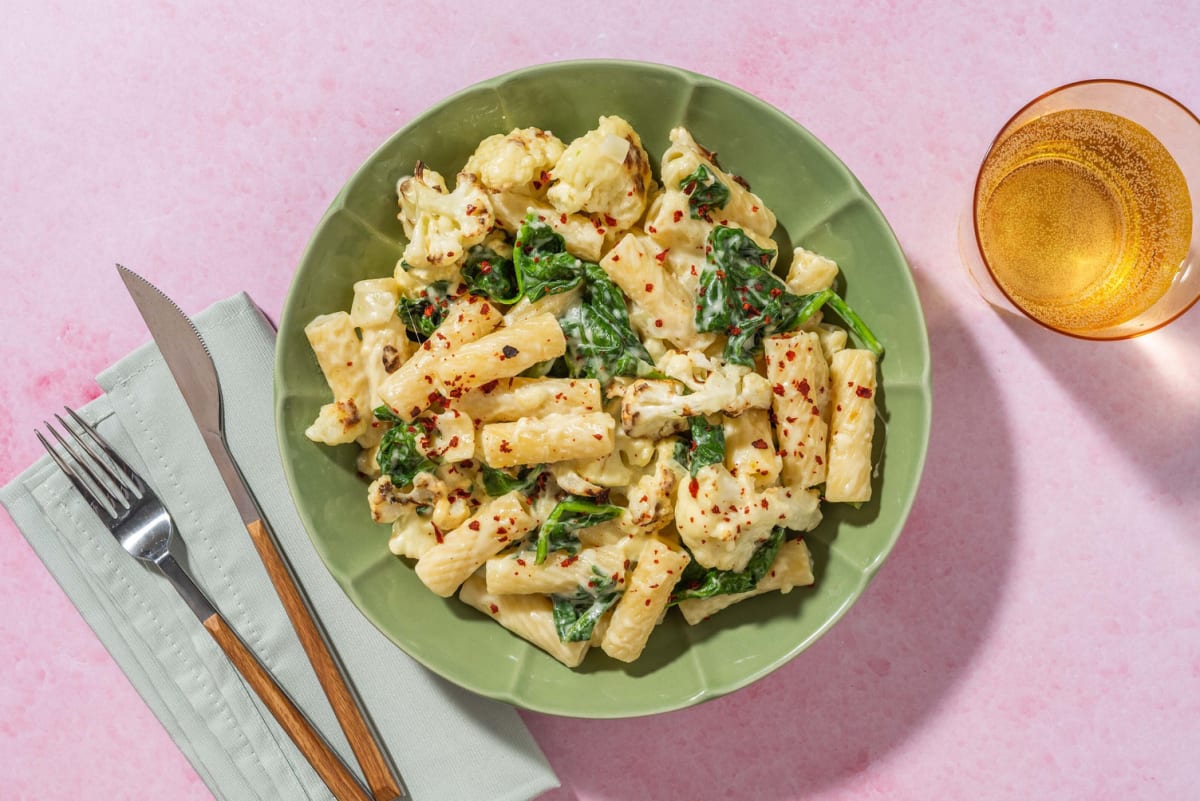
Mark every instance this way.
x=820 y=205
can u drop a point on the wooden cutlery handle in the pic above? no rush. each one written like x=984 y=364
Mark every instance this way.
x=328 y=766
x=384 y=786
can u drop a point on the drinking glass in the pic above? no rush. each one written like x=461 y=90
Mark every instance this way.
x=1085 y=211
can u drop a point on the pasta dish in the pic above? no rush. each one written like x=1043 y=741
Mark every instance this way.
x=585 y=397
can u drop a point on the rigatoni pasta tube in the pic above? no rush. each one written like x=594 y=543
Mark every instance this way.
x=520 y=574
x=647 y=591
x=464 y=550
x=503 y=353
x=407 y=391
x=511 y=399
x=800 y=396
x=530 y=617
x=750 y=447
x=553 y=438
x=851 y=426
x=338 y=350
x=792 y=568
x=663 y=308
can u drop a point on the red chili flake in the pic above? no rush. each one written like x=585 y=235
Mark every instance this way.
x=505 y=447
x=761 y=444
x=754 y=209
x=839 y=407
x=542 y=217
x=819 y=460
x=545 y=176
x=863 y=392
x=647 y=602
x=778 y=390
x=734 y=330
x=629 y=193
x=489 y=386
x=600 y=231
x=765 y=258
x=791 y=419
x=816 y=412
x=450 y=253
x=484 y=309
x=562 y=219
x=763 y=503
x=598 y=436
x=521 y=562
x=678 y=215
x=495 y=609
x=453 y=442
x=473 y=525
x=626 y=564
x=437 y=533
x=721 y=277
x=568 y=561
x=658 y=323
x=428 y=311
x=349 y=364
x=803 y=387
x=716 y=510
x=652 y=229
x=609 y=221
x=537 y=184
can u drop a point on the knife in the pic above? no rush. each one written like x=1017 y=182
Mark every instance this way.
x=191 y=365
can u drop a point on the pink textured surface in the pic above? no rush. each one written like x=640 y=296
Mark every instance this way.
x=1036 y=632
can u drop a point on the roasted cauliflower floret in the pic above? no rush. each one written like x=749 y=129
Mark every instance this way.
x=605 y=172
x=337 y=423
x=658 y=408
x=652 y=499
x=441 y=225
x=517 y=161
x=723 y=518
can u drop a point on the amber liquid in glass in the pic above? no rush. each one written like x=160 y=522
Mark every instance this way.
x=1084 y=219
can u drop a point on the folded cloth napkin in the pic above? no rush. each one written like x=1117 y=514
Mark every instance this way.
x=448 y=744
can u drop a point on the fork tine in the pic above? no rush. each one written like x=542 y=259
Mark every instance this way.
x=128 y=488
x=131 y=476
x=116 y=503
x=88 y=494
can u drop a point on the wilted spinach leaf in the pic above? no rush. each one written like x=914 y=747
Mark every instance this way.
x=697 y=581
x=575 y=615
x=497 y=482
x=559 y=532
x=704 y=444
x=422 y=315
x=543 y=265
x=739 y=296
x=601 y=343
x=488 y=273
x=400 y=457
x=704 y=192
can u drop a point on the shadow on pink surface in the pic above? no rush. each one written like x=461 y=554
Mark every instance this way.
x=867 y=686
x=1141 y=394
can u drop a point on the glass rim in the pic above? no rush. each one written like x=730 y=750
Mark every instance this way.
x=1120 y=82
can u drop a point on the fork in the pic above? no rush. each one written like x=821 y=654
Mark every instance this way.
x=141 y=523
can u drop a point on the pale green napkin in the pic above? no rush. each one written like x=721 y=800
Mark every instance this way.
x=448 y=744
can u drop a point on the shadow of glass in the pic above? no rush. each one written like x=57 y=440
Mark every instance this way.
x=868 y=684
x=1143 y=393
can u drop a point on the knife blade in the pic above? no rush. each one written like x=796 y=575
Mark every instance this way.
x=191 y=365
